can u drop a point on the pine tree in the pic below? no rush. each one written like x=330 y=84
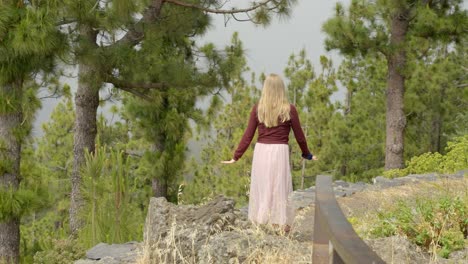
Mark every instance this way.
x=227 y=122
x=111 y=213
x=311 y=93
x=102 y=58
x=29 y=43
x=434 y=97
x=388 y=27
x=299 y=73
x=355 y=142
x=51 y=163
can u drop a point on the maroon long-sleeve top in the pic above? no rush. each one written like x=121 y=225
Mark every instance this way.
x=273 y=135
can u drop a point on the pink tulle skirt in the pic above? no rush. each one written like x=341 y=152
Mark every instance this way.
x=270 y=185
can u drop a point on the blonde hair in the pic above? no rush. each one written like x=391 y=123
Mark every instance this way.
x=273 y=104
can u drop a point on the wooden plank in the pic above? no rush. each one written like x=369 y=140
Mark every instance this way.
x=334 y=225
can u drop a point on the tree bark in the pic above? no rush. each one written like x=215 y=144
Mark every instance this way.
x=85 y=131
x=396 y=120
x=159 y=187
x=437 y=123
x=10 y=155
x=159 y=184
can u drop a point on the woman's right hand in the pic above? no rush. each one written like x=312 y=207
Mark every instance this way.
x=228 y=161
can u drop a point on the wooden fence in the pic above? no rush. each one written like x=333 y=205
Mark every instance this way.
x=334 y=238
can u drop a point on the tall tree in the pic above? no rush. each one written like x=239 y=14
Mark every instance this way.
x=29 y=41
x=96 y=30
x=435 y=96
x=227 y=122
x=355 y=142
x=386 y=27
x=311 y=93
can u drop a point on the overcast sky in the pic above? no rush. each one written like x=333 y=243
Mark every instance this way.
x=267 y=49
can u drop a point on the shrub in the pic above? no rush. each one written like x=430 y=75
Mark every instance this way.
x=437 y=225
x=456 y=159
x=64 y=251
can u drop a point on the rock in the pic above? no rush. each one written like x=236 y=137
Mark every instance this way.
x=104 y=253
x=358 y=186
x=397 y=249
x=341 y=183
x=460 y=174
x=424 y=177
x=340 y=193
x=105 y=260
x=301 y=204
x=383 y=182
x=406 y=180
x=244 y=210
x=178 y=232
x=302 y=198
x=116 y=251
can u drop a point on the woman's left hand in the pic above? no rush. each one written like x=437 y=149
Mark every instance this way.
x=228 y=161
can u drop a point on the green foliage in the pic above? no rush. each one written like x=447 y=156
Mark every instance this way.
x=311 y=93
x=63 y=251
x=110 y=214
x=46 y=170
x=15 y=203
x=456 y=159
x=457 y=155
x=227 y=121
x=30 y=195
x=424 y=163
x=438 y=225
x=30 y=39
x=353 y=144
x=363 y=30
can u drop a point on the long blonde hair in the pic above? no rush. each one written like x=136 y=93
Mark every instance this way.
x=273 y=104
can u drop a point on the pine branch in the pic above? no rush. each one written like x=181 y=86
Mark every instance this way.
x=219 y=11
x=135 y=88
x=135 y=92
x=136 y=32
x=119 y=83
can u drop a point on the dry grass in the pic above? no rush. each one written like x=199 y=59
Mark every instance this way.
x=169 y=249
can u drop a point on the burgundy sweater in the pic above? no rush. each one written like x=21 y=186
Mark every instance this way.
x=273 y=135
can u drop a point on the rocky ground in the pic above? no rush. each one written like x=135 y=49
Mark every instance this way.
x=218 y=233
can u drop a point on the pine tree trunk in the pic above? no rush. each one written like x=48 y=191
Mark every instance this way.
x=10 y=156
x=396 y=120
x=437 y=123
x=159 y=187
x=86 y=104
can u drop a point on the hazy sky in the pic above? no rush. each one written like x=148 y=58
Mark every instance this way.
x=267 y=49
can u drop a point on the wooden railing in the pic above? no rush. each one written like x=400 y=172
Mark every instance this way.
x=334 y=238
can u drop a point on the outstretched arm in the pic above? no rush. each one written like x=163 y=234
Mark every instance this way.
x=248 y=134
x=247 y=137
x=299 y=134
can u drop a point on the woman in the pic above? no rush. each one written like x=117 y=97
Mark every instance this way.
x=271 y=181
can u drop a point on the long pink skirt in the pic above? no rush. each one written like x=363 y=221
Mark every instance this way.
x=270 y=185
